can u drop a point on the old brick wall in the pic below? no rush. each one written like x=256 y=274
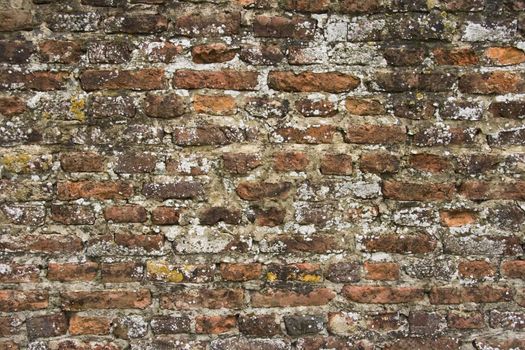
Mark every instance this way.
x=262 y=174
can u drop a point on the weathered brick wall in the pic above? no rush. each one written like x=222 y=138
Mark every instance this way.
x=262 y=174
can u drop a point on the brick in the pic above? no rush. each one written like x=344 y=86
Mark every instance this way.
x=215 y=324
x=111 y=106
x=252 y=191
x=42 y=243
x=423 y=344
x=360 y=7
x=259 y=325
x=222 y=80
x=478 y=294
x=476 y=269
x=136 y=24
x=306 y=5
x=375 y=134
x=297 y=244
x=46 y=326
x=203 y=298
x=160 y=51
x=73 y=214
x=15 y=52
x=334 y=82
x=316 y=108
x=507 y=137
x=484 y=190
x=93 y=189
x=213 y=53
x=213 y=215
x=507 y=320
x=378 y=163
x=214 y=104
x=262 y=54
x=296 y=27
x=125 y=213
x=465 y=320
x=82 y=162
x=60 y=51
x=210 y=24
x=381 y=271
x=457 y=218
x=36 y=80
x=149 y=243
x=425 y=323
x=289 y=298
x=246 y=343
x=121 y=272
x=170 y=324
x=497 y=82
x=68 y=272
x=270 y=217
x=9 y=325
x=18 y=273
x=361 y=106
x=240 y=272
x=28 y=215
x=431 y=163
x=336 y=164
x=404 y=56
x=15 y=19
x=135 y=162
x=176 y=190
x=409 y=191
x=12 y=105
x=342 y=272
x=503 y=343
x=461 y=56
x=165 y=106
x=309 y=135
x=165 y=216
x=513 y=269
x=27 y=300
x=504 y=56
x=107 y=299
x=240 y=163
x=382 y=295
x=303 y=324
x=304 y=272
x=402 y=81
x=290 y=161
x=508 y=109
x=142 y=79
x=86 y=325
x=419 y=243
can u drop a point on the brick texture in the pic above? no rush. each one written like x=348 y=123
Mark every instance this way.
x=262 y=174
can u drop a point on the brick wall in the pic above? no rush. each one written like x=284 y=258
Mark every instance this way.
x=262 y=174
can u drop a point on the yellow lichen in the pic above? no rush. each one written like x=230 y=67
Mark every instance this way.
x=162 y=271
x=16 y=163
x=270 y=276
x=310 y=278
x=77 y=108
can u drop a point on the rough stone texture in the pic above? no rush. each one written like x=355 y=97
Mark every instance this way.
x=262 y=174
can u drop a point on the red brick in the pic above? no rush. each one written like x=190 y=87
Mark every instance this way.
x=484 y=190
x=215 y=324
x=476 y=269
x=213 y=53
x=381 y=271
x=18 y=273
x=136 y=24
x=419 y=243
x=379 y=163
x=409 y=191
x=207 y=23
x=457 y=218
x=210 y=135
x=383 y=295
x=361 y=106
x=336 y=164
x=375 y=134
x=143 y=79
x=121 y=272
x=316 y=108
x=12 y=105
x=203 y=298
x=240 y=272
x=308 y=135
x=15 y=19
x=497 y=82
x=223 y=80
x=310 y=6
x=296 y=27
x=478 y=294
x=125 y=213
x=60 y=51
x=165 y=216
x=36 y=80
x=455 y=56
x=175 y=190
x=27 y=300
x=513 y=269
x=259 y=325
x=290 y=161
x=89 y=325
x=165 y=106
x=15 y=52
x=423 y=344
x=107 y=299
x=334 y=82
x=432 y=163
x=82 y=162
x=94 y=189
x=465 y=320
x=409 y=81
x=214 y=104
x=68 y=272
x=46 y=326
x=360 y=7
x=252 y=191
x=505 y=55
x=241 y=163
x=133 y=241
x=289 y=298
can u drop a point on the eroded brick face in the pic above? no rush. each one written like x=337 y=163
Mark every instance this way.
x=262 y=174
